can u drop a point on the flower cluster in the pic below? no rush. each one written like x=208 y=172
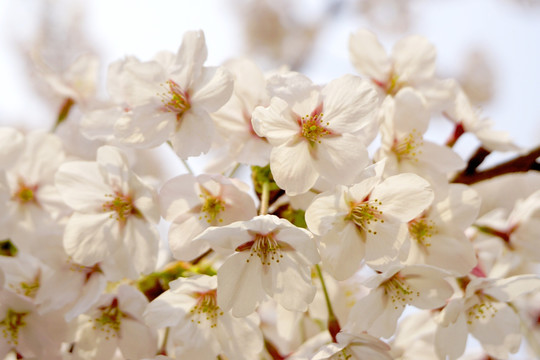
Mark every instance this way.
x=316 y=256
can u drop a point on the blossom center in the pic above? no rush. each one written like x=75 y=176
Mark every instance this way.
x=28 y=289
x=11 y=325
x=266 y=247
x=206 y=308
x=175 y=99
x=399 y=291
x=365 y=213
x=313 y=129
x=26 y=193
x=212 y=207
x=109 y=319
x=122 y=207
x=422 y=230
x=481 y=311
x=409 y=147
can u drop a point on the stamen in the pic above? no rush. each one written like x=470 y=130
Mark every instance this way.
x=366 y=213
x=421 y=230
x=399 y=291
x=175 y=99
x=109 y=319
x=266 y=247
x=25 y=194
x=122 y=205
x=206 y=308
x=409 y=147
x=211 y=208
x=313 y=128
x=11 y=325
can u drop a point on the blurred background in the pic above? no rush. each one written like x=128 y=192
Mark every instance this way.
x=491 y=46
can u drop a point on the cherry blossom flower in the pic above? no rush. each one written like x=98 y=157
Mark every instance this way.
x=114 y=322
x=483 y=311
x=268 y=256
x=438 y=234
x=310 y=130
x=364 y=221
x=194 y=204
x=354 y=347
x=377 y=313
x=165 y=101
x=200 y=328
x=411 y=64
x=115 y=213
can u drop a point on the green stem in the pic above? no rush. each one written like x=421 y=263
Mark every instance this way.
x=63 y=113
x=163 y=349
x=333 y=323
x=265 y=198
x=188 y=168
x=233 y=171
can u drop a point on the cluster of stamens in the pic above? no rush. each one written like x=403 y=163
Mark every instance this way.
x=175 y=99
x=399 y=291
x=28 y=289
x=421 y=230
x=483 y=310
x=266 y=248
x=109 y=320
x=211 y=208
x=121 y=207
x=11 y=325
x=365 y=213
x=25 y=193
x=313 y=128
x=206 y=308
x=409 y=147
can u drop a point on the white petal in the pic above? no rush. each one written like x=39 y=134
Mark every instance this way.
x=136 y=340
x=450 y=341
x=403 y=196
x=326 y=209
x=411 y=112
x=239 y=284
x=194 y=134
x=292 y=168
x=343 y=251
x=275 y=122
x=368 y=56
x=414 y=59
x=212 y=90
x=510 y=288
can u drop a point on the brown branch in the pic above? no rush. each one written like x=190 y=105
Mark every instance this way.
x=522 y=163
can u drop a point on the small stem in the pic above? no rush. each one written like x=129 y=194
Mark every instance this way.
x=458 y=131
x=198 y=260
x=333 y=323
x=233 y=171
x=188 y=168
x=163 y=349
x=264 y=198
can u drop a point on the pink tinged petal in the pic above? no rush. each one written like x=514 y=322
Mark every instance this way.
x=147 y=126
x=12 y=141
x=368 y=56
x=293 y=168
x=431 y=155
x=293 y=288
x=191 y=57
x=82 y=186
x=239 y=284
x=194 y=134
x=248 y=340
x=182 y=234
x=325 y=210
x=340 y=158
x=384 y=242
x=411 y=112
x=513 y=287
x=403 y=196
x=302 y=242
x=429 y=283
x=343 y=251
x=450 y=341
x=91 y=238
x=498 y=330
x=226 y=239
x=178 y=196
x=141 y=240
x=136 y=340
x=349 y=105
x=212 y=90
x=414 y=59
x=276 y=122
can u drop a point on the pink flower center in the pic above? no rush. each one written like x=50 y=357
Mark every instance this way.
x=313 y=128
x=25 y=194
x=266 y=247
x=206 y=308
x=122 y=207
x=109 y=319
x=175 y=99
